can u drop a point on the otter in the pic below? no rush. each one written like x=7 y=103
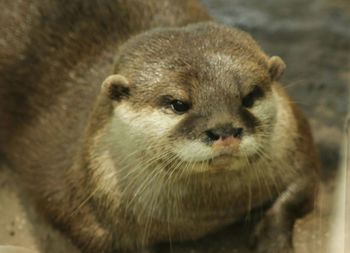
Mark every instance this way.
x=132 y=123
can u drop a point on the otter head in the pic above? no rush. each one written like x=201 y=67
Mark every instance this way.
x=200 y=95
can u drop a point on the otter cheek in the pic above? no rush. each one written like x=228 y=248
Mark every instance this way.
x=265 y=109
x=148 y=122
x=249 y=145
x=265 y=112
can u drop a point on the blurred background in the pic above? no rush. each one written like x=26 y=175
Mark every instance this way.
x=313 y=38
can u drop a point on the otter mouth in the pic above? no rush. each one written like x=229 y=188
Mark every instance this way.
x=213 y=156
x=222 y=160
x=224 y=157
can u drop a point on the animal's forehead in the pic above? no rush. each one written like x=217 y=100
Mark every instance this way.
x=197 y=59
x=195 y=39
x=213 y=75
x=214 y=70
x=242 y=69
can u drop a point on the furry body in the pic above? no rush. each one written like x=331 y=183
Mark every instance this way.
x=93 y=161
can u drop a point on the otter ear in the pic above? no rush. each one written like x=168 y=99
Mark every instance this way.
x=276 y=67
x=116 y=87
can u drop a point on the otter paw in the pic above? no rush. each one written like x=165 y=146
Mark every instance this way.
x=271 y=237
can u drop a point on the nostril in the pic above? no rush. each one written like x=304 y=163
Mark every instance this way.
x=212 y=136
x=237 y=132
x=217 y=133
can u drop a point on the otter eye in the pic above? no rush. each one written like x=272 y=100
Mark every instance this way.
x=179 y=107
x=249 y=100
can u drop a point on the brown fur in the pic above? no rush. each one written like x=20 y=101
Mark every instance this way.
x=48 y=134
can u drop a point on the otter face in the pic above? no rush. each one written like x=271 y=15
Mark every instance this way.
x=201 y=94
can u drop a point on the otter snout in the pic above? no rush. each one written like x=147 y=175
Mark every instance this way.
x=224 y=136
x=224 y=132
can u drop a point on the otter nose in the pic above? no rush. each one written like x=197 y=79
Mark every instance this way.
x=224 y=132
